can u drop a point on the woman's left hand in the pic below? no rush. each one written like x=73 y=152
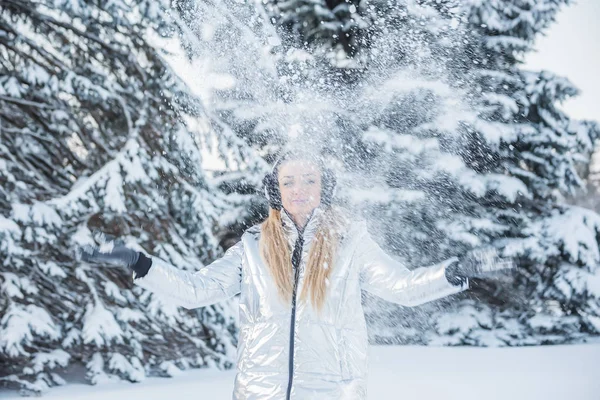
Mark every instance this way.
x=477 y=263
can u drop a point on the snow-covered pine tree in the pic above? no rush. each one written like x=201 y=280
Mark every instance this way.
x=337 y=29
x=98 y=132
x=342 y=32
x=539 y=150
x=467 y=149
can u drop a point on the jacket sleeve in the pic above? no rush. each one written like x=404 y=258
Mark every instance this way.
x=218 y=281
x=389 y=279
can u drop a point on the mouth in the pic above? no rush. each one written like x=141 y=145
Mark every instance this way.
x=299 y=201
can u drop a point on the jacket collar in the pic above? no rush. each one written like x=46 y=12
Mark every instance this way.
x=309 y=231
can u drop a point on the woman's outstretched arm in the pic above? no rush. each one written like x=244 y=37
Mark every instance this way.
x=217 y=281
x=391 y=280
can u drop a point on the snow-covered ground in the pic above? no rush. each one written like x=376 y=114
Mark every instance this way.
x=407 y=373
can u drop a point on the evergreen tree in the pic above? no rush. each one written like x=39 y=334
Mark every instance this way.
x=455 y=146
x=555 y=296
x=98 y=132
x=333 y=28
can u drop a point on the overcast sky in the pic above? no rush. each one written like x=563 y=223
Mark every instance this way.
x=571 y=48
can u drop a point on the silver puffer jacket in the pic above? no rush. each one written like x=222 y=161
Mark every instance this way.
x=288 y=351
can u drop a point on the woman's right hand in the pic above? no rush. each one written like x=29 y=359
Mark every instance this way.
x=112 y=252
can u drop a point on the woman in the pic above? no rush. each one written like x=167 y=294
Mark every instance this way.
x=300 y=274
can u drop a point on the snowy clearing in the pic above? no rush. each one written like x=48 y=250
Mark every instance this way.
x=407 y=373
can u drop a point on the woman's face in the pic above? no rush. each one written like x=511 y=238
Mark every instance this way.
x=300 y=186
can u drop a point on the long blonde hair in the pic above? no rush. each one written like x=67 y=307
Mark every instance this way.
x=276 y=253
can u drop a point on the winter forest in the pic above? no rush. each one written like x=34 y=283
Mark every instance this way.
x=156 y=120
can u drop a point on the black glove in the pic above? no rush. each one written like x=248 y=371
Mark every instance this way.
x=118 y=255
x=114 y=252
x=477 y=263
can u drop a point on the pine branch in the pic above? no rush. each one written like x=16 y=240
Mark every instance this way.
x=28 y=103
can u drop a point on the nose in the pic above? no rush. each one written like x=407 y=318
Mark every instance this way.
x=298 y=189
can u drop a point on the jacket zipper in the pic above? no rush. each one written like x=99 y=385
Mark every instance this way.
x=296 y=264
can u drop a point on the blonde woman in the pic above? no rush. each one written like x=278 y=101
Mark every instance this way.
x=300 y=273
